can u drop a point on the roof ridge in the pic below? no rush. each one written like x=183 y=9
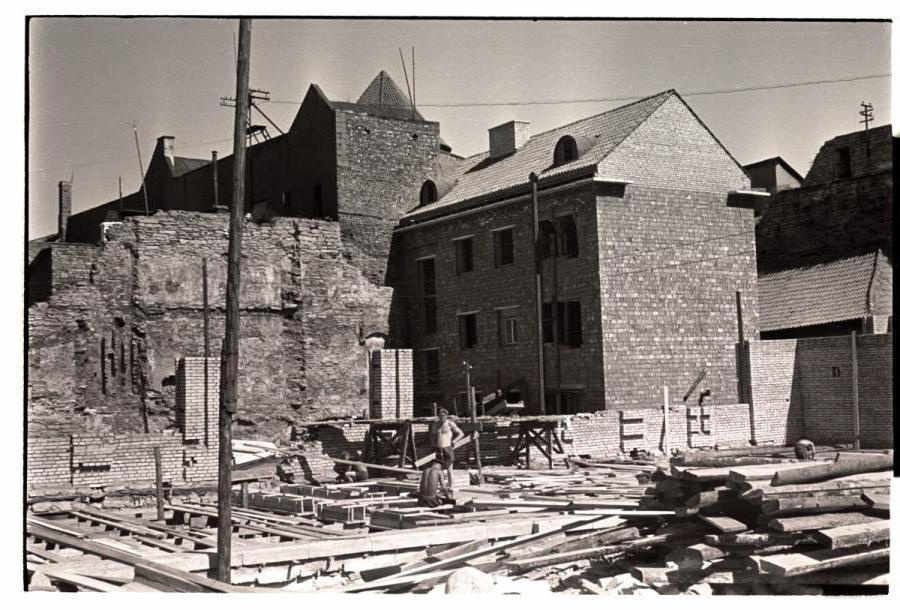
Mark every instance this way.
x=667 y=92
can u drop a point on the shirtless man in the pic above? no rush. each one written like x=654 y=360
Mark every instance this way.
x=444 y=433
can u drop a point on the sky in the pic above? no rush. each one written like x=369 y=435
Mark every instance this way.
x=89 y=78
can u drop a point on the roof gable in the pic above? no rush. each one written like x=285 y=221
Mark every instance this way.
x=384 y=97
x=480 y=176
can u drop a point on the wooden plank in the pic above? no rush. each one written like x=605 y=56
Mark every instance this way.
x=762 y=471
x=844 y=465
x=465 y=440
x=880 y=502
x=394 y=469
x=795 y=564
x=724 y=524
x=818 y=522
x=85 y=583
x=791 y=504
x=847 y=536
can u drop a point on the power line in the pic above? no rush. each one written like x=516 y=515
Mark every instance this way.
x=634 y=97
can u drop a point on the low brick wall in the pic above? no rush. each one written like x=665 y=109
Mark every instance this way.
x=189 y=454
x=803 y=387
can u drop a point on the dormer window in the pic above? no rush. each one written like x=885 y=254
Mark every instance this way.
x=429 y=193
x=566 y=150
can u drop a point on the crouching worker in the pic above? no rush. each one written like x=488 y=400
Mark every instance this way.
x=432 y=491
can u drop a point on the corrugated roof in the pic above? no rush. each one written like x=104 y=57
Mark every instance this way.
x=480 y=175
x=818 y=294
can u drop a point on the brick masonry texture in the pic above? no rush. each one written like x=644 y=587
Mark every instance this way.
x=102 y=459
x=803 y=387
x=659 y=264
x=391 y=384
x=832 y=217
x=106 y=340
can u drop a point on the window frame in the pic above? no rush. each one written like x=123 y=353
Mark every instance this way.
x=467 y=341
x=464 y=257
x=498 y=236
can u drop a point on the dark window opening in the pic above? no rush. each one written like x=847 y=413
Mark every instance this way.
x=570 y=402
x=567 y=329
x=558 y=237
x=317 y=201
x=503 y=247
x=429 y=368
x=565 y=150
x=286 y=200
x=465 y=261
x=510 y=331
x=844 y=168
x=468 y=330
x=428 y=193
x=428 y=291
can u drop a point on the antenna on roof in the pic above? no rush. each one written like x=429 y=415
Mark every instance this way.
x=408 y=90
x=868 y=115
x=414 y=78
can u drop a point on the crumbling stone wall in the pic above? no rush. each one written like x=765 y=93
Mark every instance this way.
x=104 y=345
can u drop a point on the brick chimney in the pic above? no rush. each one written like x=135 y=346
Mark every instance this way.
x=167 y=145
x=507 y=138
x=65 y=208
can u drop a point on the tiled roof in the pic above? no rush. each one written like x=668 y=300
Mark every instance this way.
x=818 y=294
x=183 y=165
x=383 y=97
x=479 y=175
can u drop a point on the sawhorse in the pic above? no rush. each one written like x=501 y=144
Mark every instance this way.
x=388 y=438
x=541 y=434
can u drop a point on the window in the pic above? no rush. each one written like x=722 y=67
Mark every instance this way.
x=566 y=150
x=429 y=372
x=503 y=247
x=317 y=201
x=468 y=330
x=570 y=402
x=428 y=292
x=464 y=259
x=510 y=331
x=844 y=168
x=558 y=237
x=428 y=193
x=567 y=329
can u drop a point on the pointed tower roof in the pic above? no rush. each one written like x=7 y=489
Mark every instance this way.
x=384 y=97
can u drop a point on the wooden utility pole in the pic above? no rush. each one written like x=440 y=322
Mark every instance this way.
x=120 y=193
x=229 y=372
x=215 y=168
x=137 y=145
x=160 y=501
x=470 y=395
x=666 y=420
x=855 y=371
x=538 y=311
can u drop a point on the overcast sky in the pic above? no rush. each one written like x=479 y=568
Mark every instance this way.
x=90 y=77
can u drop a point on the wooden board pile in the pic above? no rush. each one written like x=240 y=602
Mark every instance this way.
x=777 y=527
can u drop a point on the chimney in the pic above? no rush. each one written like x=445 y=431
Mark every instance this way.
x=65 y=208
x=167 y=145
x=507 y=138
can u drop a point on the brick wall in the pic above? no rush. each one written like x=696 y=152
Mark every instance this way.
x=105 y=342
x=189 y=455
x=803 y=387
x=391 y=384
x=670 y=263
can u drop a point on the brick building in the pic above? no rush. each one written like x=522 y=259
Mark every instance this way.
x=646 y=235
x=358 y=163
x=825 y=249
x=773 y=175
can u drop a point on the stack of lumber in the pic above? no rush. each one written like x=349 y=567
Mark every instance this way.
x=777 y=527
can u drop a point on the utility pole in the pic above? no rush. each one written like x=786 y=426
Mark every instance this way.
x=538 y=302
x=868 y=115
x=137 y=145
x=229 y=371
x=855 y=381
x=120 y=193
x=215 y=170
x=470 y=395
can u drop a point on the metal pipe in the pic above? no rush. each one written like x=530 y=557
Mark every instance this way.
x=533 y=178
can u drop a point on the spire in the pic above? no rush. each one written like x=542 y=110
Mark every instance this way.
x=383 y=91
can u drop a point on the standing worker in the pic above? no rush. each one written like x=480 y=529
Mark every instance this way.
x=445 y=432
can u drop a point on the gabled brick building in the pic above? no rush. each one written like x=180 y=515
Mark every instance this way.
x=646 y=235
x=358 y=163
x=829 y=243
